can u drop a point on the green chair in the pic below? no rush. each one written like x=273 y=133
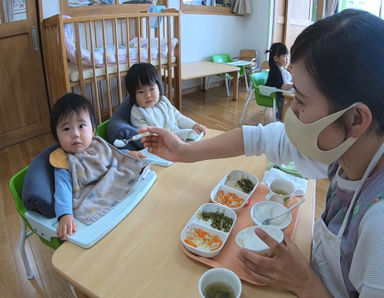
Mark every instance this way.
x=265 y=97
x=101 y=129
x=16 y=187
x=225 y=58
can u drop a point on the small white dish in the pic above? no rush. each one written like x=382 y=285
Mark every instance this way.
x=197 y=223
x=265 y=209
x=220 y=275
x=248 y=239
x=228 y=184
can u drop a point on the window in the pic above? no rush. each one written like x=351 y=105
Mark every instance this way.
x=375 y=7
x=206 y=6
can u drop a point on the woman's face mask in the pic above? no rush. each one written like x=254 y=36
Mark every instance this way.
x=304 y=136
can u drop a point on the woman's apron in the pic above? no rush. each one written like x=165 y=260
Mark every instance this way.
x=326 y=252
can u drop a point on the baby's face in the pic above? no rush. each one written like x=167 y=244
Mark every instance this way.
x=147 y=96
x=75 y=132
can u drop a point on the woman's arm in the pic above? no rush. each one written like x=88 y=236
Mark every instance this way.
x=168 y=146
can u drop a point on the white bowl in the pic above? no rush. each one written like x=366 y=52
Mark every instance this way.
x=197 y=222
x=221 y=275
x=260 y=211
x=227 y=190
x=228 y=182
x=248 y=239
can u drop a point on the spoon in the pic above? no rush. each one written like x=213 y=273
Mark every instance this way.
x=123 y=142
x=268 y=219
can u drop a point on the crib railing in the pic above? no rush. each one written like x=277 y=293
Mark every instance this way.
x=91 y=55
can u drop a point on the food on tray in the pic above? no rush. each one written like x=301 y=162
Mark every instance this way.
x=244 y=184
x=219 y=220
x=201 y=239
x=229 y=199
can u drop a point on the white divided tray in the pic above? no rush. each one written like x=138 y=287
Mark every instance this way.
x=154 y=159
x=196 y=221
x=228 y=182
x=86 y=236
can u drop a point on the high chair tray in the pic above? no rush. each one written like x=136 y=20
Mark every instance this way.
x=86 y=236
x=228 y=256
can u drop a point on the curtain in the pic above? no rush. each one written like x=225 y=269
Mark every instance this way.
x=330 y=7
x=242 y=7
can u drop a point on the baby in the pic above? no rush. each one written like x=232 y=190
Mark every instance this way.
x=91 y=176
x=152 y=108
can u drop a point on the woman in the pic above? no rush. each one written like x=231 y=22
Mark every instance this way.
x=334 y=127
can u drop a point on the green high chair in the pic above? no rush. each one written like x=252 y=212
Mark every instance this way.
x=16 y=187
x=263 y=97
x=225 y=58
x=101 y=129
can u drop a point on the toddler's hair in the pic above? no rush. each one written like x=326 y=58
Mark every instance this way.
x=142 y=74
x=277 y=49
x=344 y=55
x=67 y=104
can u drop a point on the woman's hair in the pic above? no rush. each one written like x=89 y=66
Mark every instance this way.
x=68 y=104
x=344 y=55
x=142 y=74
x=277 y=49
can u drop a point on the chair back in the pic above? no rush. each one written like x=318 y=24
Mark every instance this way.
x=259 y=79
x=101 y=130
x=225 y=58
x=16 y=187
x=221 y=58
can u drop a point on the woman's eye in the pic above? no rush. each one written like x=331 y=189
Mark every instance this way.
x=298 y=101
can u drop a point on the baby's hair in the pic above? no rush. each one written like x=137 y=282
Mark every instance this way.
x=277 y=49
x=68 y=104
x=142 y=74
x=344 y=55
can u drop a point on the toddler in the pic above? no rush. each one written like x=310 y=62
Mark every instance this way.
x=279 y=76
x=152 y=108
x=91 y=176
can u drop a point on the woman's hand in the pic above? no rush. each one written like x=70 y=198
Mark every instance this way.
x=285 y=268
x=67 y=226
x=199 y=128
x=164 y=143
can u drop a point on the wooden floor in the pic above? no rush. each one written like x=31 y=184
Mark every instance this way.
x=210 y=107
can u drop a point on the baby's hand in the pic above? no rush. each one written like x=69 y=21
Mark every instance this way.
x=136 y=154
x=199 y=128
x=67 y=226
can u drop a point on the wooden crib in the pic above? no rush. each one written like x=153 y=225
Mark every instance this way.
x=120 y=41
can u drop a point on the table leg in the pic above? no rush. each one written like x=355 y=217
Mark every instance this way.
x=235 y=88
x=203 y=87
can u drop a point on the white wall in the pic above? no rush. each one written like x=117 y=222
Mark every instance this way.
x=205 y=35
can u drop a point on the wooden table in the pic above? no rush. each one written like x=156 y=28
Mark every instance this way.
x=203 y=69
x=141 y=257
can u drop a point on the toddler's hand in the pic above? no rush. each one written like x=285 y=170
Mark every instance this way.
x=136 y=154
x=67 y=226
x=199 y=128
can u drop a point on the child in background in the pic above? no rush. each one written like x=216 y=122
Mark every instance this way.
x=152 y=108
x=91 y=176
x=279 y=76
